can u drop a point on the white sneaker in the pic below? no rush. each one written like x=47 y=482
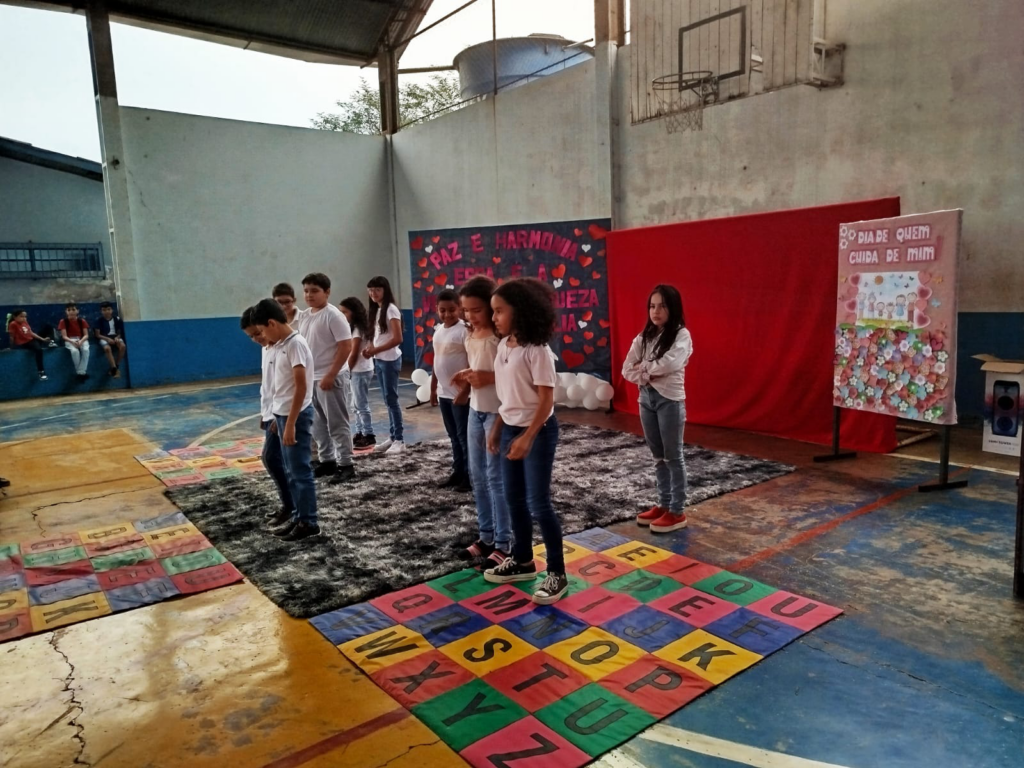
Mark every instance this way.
x=397 y=447
x=382 y=447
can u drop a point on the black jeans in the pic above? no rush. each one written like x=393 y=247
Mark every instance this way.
x=528 y=494
x=35 y=347
x=456 y=423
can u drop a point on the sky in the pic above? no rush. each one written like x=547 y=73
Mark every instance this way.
x=46 y=94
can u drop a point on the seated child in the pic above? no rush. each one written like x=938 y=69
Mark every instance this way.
x=75 y=332
x=23 y=337
x=109 y=330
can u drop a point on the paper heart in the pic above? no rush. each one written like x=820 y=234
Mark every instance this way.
x=419 y=329
x=450 y=287
x=557 y=283
x=596 y=232
x=596 y=275
x=851 y=305
x=602 y=342
x=587 y=315
x=601 y=252
x=425 y=273
x=924 y=293
x=429 y=249
x=851 y=292
x=572 y=359
x=416 y=244
x=574 y=282
x=441 y=279
x=585 y=248
x=430 y=338
x=855 y=279
x=851 y=318
x=924 y=277
x=431 y=322
x=588 y=349
x=496 y=259
x=417 y=284
x=578 y=232
x=586 y=261
x=420 y=343
x=921 y=304
x=436 y=239
x=567 y=339
x=582 y=323
x=604 y=323
x=921 y=320
x=418 y=313
x=558 y=271
x=430 y=289
x=588 y=335
x=421 y=263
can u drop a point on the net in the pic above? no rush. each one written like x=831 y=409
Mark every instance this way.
x=682 y=97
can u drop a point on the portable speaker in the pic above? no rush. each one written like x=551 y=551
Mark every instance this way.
x=1005 y=411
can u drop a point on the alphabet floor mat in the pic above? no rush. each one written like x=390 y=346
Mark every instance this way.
x=641 y=633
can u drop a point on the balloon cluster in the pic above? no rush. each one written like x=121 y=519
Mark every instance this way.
x=574 y=390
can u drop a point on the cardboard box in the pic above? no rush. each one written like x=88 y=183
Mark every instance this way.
x=1004 y=404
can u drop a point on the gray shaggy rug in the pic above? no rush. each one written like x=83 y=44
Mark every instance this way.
x=393 y=529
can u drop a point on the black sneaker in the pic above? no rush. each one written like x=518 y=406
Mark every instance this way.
x=325 y=468
x=476 y=550
x=286 y=529
x=357 y=440
x=4 y=482
x=344 y=475
x=551 y=589
x=279 y=516
x=302 y=531
x=463 y=486
x=451 y=482
x=510 y=570
x=369 y=441
x=113 y=372
x=43 y=376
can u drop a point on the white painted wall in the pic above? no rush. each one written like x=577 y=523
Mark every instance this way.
x=221 y=210
x=931 y=111
x=532 y=154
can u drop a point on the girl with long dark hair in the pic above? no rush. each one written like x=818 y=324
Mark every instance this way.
x=386 y=352
x=359 y=370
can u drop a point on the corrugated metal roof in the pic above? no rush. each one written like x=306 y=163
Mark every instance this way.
x=345 y=31
x=27 y=153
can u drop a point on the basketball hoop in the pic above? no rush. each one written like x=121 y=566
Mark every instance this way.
x=682 y=97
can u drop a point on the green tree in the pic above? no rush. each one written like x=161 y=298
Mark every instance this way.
x=360 y=113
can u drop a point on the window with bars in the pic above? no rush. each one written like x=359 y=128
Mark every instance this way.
x=29 y=261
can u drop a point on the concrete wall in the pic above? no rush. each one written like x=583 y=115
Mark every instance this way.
x=49 y=206
x=532 y=154
x=221 y=210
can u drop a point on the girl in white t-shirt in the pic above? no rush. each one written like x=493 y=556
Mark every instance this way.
x=494 y=537
x=359 y=371
x=656 y=363
x=386 y=352
x=526 y=431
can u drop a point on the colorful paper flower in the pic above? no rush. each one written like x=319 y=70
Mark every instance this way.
x=942 y=356
x=920 y=380
x=926 y=350
x=939 y=367
x=902 y=407
x=929 y=387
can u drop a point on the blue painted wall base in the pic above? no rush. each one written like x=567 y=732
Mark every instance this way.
x=178 y=351
x=20 y=379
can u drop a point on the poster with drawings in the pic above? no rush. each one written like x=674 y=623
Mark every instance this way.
x=896 y=316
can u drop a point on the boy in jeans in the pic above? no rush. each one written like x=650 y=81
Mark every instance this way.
x=292 y=407
x=109 y=332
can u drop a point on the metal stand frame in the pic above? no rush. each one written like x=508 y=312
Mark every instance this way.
x=836 y=454
x=1018 y=556
x=944 y=484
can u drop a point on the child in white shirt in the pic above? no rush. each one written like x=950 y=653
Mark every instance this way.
x=359 y=371
x=386 y=353
x=450 y=358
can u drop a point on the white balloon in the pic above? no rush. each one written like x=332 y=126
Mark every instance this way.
x=591 y=402
x=420 y=377
x=423 y=393
x=576 y=393
x=567 y=379
x=588 y=382
x=605 y=392
x=560 y=394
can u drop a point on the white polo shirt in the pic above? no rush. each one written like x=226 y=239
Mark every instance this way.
x=291 y=353
x=323 y=329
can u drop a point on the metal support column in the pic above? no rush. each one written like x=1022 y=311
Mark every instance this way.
x=387 y=68
x=609 y=34
x=115 y=170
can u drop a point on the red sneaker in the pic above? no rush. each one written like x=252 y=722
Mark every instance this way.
x=669 y=522
x=652 y=514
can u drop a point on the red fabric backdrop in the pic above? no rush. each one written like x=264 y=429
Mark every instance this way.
x=759 y=294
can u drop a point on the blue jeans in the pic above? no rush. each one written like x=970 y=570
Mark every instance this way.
x=297 y=466
x=485 y=470
x=456 y=421
x=273 y=460
x=528 y=493
x=663 y=421
x=387 y=377
x=361 y=401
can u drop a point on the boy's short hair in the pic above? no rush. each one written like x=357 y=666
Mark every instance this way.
x=318 y=279
x=266 y=310
x=447 y=295
x=106 y=305
x=70 y=305
x=246 y=321
x=283 y=289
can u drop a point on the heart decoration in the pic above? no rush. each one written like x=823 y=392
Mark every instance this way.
x=430 y=338
x=851 y=306
x=429 y=249
x=421 y=263
x=567 y=339
x=921 y=320
x=416 y=244
x=924 y=277
x=604 y=323
x=420 y=343
x=419 y=329
x=572 y=359
x=496 y=259
x=425 y=273
x=582 y=323
x=417 y=284
x=596 y=232
x=588 y=315
x=921 y=305
x=430 y=322
x=586 y=261
x=588 y=349
x=557 y=283
x=436 y=239
x=596 y=275
x=602 y=342
x=585 y=248
x=855 y=278
x=558 y=271
x=450 y=287
x=428 y=358
x=851 y=318
x=441 y=279
x=601 y=252
x=430 y=289
x=924 y=293
x=588 y=335
x=578 y=232
x=418 y=313
x=574 y=282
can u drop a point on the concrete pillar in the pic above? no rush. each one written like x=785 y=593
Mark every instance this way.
x=387 y=68
x=609 y=34
x=115 y=171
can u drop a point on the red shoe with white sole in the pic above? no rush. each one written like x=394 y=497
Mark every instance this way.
x=652 y=514
x=669 y=522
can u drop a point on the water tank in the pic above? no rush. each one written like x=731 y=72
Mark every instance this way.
x=520 y=60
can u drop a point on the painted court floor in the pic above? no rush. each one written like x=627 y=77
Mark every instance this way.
x=924 y=668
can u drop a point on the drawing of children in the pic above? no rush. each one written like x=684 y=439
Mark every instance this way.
x=889 y=308
x=880 y=310
x=911 y=309
x=871 y=305
x=901 y=307
x=860 y=305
